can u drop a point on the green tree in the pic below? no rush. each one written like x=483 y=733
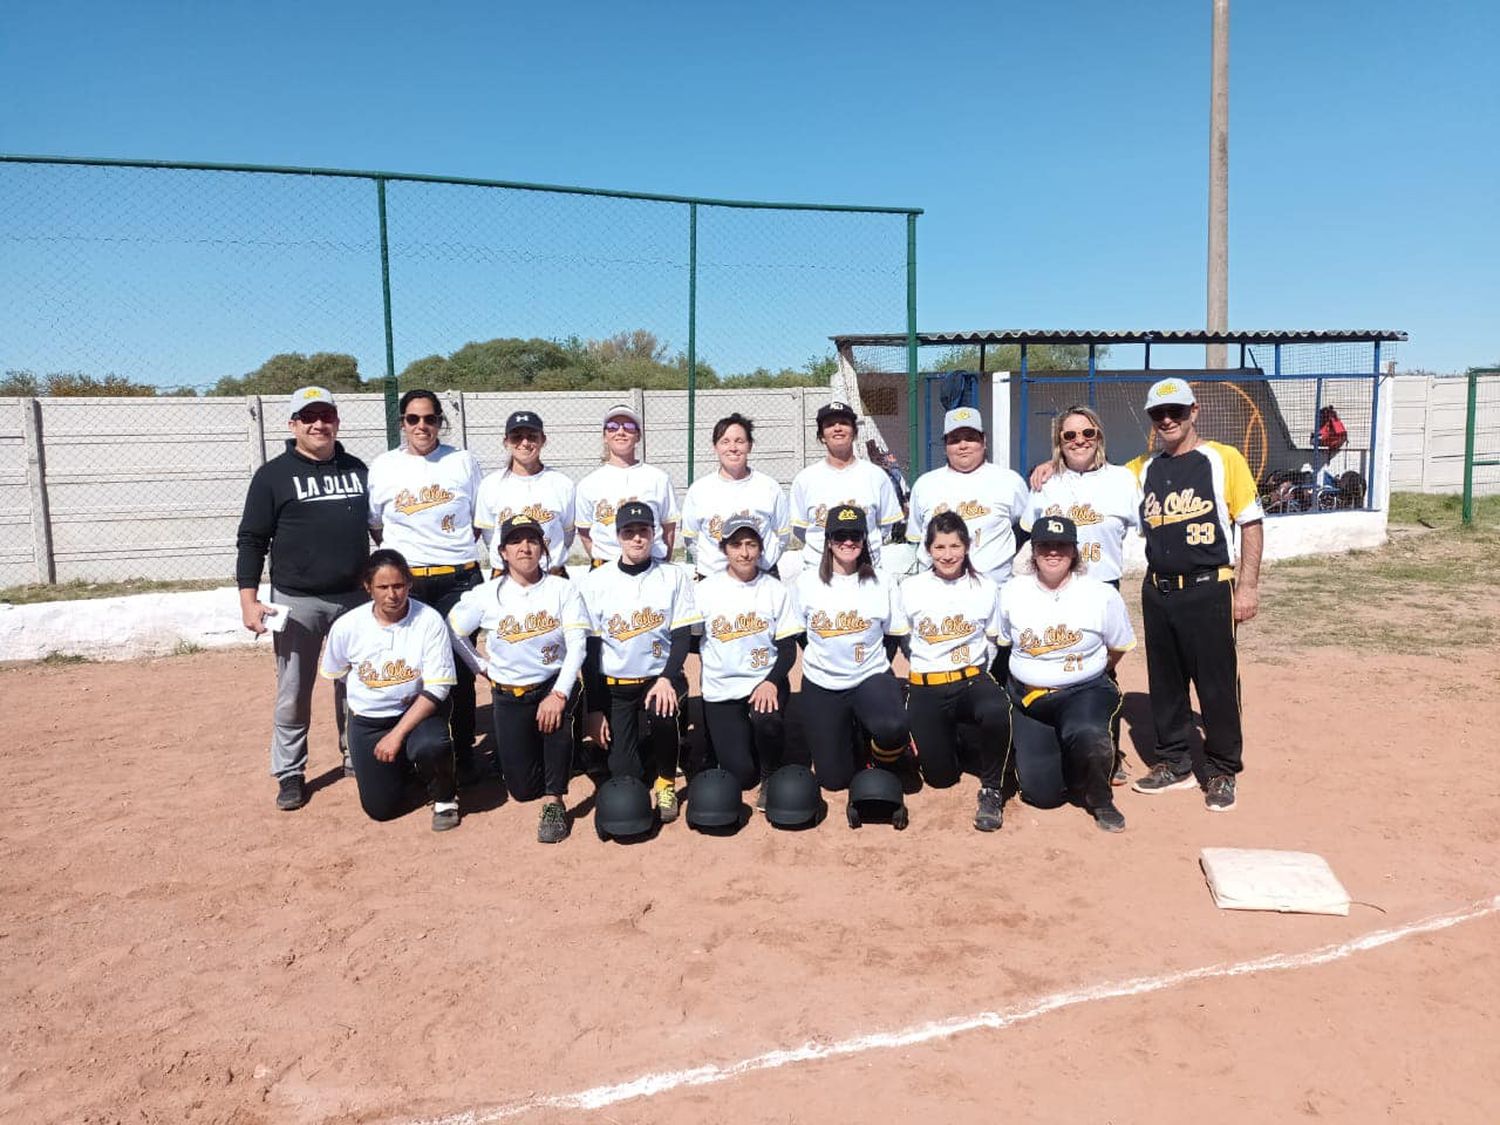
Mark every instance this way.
x=21 y=383
x=1007 y=357
x=73 y=384
x=282 y=374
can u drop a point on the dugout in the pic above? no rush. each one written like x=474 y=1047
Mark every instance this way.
x=1278 y=398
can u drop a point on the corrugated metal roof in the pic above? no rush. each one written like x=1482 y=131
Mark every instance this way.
x=1133 y=336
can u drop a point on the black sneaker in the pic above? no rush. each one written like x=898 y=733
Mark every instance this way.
x=553 y=828
x=292 y=794
x=991 y=812
x=1219 y=795
x=445 y=818
x=1109 y=818
x=1161 y=778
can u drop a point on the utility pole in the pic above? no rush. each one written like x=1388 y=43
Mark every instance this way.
x=1218 y=189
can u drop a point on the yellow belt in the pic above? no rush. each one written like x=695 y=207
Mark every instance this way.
x=617 y=681
x=1179 y=581
x=517 y=690
x=1030 y=695
x=434 y=571
x=928 y=679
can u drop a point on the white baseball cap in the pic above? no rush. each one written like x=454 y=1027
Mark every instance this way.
x=1167 y=391
x=963 y=418
x=306 y=396
x=623 y=411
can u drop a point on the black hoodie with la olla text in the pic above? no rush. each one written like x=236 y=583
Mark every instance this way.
x=313 y=516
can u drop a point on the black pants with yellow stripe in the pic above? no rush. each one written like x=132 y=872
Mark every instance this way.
x=936 y=710
x=1190 y=638
x=441 y=592
x=1080 y=714
x=829 y=718
x=642 y=743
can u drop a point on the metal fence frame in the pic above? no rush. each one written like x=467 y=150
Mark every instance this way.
x=1471 y=416
x=379 y=181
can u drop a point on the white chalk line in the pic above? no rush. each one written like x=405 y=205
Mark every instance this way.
x=648 y=1085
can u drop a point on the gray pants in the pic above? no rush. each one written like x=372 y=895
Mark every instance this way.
x=297 y=648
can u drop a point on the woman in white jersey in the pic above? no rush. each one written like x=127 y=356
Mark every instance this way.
x=849 y=621
x=641 y=614
x=841 y=480
x=1101 y=499
x=536 y=628
x=1065 y=631
x=953 y=612
x=744 y=667
x=397 y=656
x=525 y=486
x=735 y=491
x=621 y=478
x=422 y=504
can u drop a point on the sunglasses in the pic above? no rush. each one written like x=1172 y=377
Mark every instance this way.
x=1175 y=412
x=847 y=537
x=421 y=419
x=308 y=417
x=614 y=427
x=1088 y=433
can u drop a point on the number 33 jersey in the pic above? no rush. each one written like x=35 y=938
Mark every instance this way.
x=1190 y=505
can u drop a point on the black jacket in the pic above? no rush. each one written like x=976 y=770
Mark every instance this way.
x=313 y=516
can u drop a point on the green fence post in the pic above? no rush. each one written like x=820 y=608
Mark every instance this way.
x=392 y=423
x=1470 y=415
x=911 y=346
x=692 y=334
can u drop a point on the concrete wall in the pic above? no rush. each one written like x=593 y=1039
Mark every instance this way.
x=1427 y=452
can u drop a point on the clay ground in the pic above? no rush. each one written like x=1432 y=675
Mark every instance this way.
x=172 y=948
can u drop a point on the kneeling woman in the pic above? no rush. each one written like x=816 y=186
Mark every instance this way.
x=537 y=629
x=745 y=668
x=954 y=616
x=641 y=614
x=850 y=622
x=1066 y=632
x=401 y=655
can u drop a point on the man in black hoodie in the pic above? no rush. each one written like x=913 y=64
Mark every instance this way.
x=308 y=508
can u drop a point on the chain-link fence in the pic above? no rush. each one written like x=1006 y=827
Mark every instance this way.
x=1305 y=414
x=1481 y=437
x=228 y=283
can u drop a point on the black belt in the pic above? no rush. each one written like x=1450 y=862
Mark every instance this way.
x=1166 y=583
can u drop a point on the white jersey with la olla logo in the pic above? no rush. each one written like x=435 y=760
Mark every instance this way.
x=1103 y=503
x=846 y=621
x=713 y=499
x=388 y=666
x=953 y=622
x=601 y=493
x=425 y=505
x=1062 y=637
x=532 y=632
x=739 y=633
x=820 y=488
x=989 y=500
x=546 y=497
x=634 y=615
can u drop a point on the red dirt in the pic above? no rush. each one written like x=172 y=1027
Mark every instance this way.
x=175 y=949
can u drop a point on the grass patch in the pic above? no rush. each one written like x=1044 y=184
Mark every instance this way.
x=1442 y=510
x=78 y=590
x=62 y=659
x=186 y=648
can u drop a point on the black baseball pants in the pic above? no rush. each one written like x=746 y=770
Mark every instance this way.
x=936 y=710
x=1080 y=715
x=441 y=592
x=746 y=742
x=532 y=763
x=1190 y=638
x=828 y=724
x=382 y=785
x=642 y=743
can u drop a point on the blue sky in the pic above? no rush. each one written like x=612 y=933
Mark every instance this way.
x=1058 y=150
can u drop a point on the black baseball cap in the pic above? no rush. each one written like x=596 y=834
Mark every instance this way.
x=835 y=410
x=634 y=511
x=524 y=420
x=1054 y=529
x=846 y=517
x=520 y=522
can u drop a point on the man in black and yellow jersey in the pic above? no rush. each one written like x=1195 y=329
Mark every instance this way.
x=1195 y=495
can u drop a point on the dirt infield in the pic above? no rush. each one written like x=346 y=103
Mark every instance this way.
x=175 y=949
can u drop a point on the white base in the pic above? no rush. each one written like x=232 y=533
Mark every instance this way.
x=1263 y=879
